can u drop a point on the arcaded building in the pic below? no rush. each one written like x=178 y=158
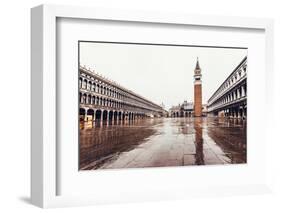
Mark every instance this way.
x=230 y=99
x=104 y=100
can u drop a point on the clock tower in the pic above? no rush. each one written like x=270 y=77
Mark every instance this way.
x=197 y=90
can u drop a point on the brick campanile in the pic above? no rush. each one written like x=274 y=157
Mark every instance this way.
x=197 y=91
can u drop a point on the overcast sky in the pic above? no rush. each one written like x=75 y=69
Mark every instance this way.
x=161 y=73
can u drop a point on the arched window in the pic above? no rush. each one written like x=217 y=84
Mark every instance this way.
x=80 y=82
x=84 y=99
x=93 y=100
x=84 y=86
x=80 y=97
x=244 y=69
x=89 y=85
x=89 y=99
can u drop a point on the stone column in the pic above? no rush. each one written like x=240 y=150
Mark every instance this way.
x=85 y=117
x=101 y=117
x=94 y=116
x=242 y=91
x=107 y=118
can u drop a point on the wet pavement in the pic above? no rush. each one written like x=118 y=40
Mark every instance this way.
x=162 y=142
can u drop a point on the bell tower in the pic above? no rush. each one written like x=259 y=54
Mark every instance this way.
x=197 y=90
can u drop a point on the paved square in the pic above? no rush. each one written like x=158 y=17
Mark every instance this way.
x=162 y=142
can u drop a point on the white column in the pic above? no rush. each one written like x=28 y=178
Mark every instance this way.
x=94 y=115
x=107 y=118
x=243 y=92
x=101 y=118
x=85 y=118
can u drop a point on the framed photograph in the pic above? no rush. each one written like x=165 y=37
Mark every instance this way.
x=129 y=106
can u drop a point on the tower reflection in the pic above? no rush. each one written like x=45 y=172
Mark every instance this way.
x=199 y=155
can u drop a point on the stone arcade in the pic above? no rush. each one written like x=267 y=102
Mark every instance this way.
x=230 y=99
x=103 y=100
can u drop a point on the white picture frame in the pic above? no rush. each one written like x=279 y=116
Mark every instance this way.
x=44 y=167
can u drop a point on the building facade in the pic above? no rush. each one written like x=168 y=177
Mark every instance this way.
x=230 y=99
x=186 y=109
x=165 y=113
x=104 y=100
x=197 y=91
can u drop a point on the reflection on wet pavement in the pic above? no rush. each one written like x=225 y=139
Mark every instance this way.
x=163 y=142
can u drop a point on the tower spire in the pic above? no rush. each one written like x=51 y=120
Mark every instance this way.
x=197 y=64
